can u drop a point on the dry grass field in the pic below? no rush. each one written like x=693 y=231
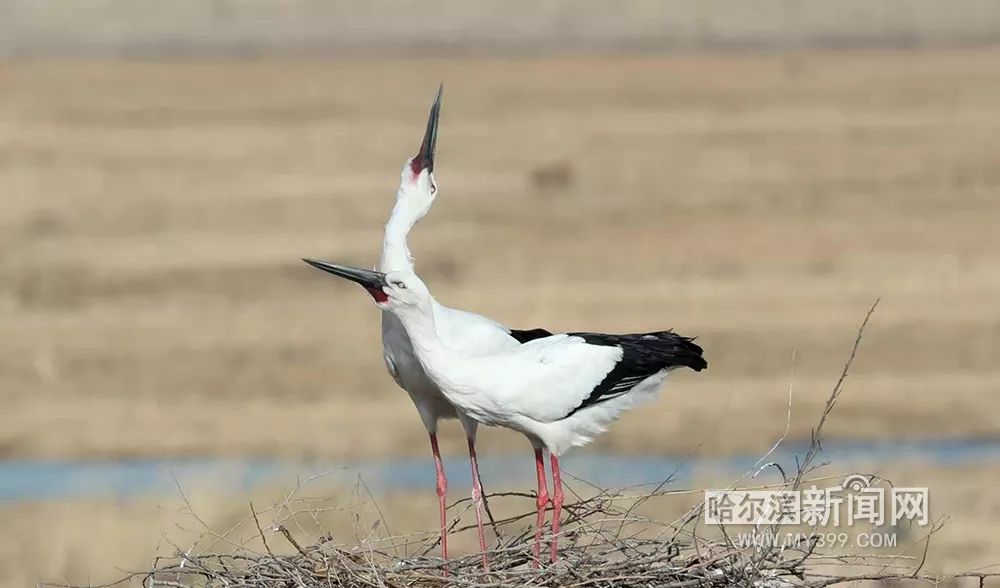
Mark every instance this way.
x=152 y=301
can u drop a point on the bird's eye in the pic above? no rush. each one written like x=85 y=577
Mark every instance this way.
x=434 y=189
x=399 y=284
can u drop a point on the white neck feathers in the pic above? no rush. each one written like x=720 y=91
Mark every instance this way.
x=395 y=251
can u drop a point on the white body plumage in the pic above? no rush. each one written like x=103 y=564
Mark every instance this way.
x=534 y=388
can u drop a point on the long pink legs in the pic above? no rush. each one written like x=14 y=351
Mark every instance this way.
x=557 y=502
x=543 y=502
x=477 y=499
x=442 y=492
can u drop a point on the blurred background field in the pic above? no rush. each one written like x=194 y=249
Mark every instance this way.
x=153 y=305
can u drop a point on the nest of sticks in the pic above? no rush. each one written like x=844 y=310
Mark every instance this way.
x=606 y=543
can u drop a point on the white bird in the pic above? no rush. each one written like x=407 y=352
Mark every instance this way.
x=465 y=330
x=558 y=390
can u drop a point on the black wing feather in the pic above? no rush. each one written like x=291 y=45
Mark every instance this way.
x=529 y=335
x=643 y=355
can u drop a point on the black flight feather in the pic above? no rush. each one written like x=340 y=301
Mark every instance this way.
x=643 y=355
x=529 y=335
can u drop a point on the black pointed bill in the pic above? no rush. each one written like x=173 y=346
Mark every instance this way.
x=424 y=159
x=370 y=280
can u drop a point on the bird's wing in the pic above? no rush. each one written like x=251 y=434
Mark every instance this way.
x=552 y=378
x=473 y=333
x=643 y=355
x=547 y=379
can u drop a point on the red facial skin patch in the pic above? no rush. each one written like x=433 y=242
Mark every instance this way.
x=416 y=166
x=378 y=294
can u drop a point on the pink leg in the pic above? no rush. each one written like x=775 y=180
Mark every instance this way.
x=557 y=502
x=477 y=498
x=442 y=492
x=543 y=502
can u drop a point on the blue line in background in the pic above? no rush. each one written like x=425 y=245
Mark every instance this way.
x=22 y=480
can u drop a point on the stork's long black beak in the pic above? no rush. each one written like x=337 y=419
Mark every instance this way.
x=370 y=280
x=424 y=159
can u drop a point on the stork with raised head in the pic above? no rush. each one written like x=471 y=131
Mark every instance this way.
x=558 y=390
x=465 y=330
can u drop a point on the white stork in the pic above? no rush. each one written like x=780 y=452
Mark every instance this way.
x=466 y=330
x=558 y=390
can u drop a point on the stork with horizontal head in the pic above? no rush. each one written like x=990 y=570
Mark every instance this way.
x=558 y=390
x=465 y=330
